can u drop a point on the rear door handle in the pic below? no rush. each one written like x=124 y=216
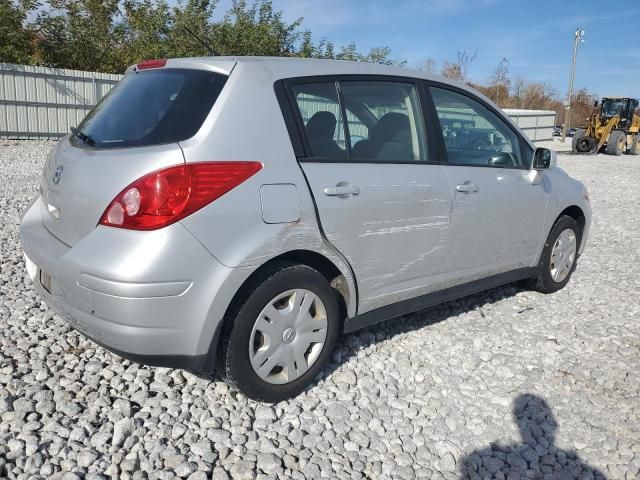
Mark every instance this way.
x=341 y=190
x=467 y=187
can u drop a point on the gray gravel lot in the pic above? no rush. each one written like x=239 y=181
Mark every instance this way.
x=506 y=384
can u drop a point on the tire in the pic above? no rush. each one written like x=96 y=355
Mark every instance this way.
x=544 y=280
x=580 y=133
x=615 y=143
x=585 y=145
x=635 y=145
x=242 y=334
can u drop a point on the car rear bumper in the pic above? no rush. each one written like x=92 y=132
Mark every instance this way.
x=154 y=297
x=116 y=336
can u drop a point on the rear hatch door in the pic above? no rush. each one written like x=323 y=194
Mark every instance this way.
x=134 y=130
x=78 y=184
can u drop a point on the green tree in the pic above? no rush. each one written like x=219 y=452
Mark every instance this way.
x=81 y=36
x=325 y=49
x=350 y=52
x=110 y=35
x=255 y=30
x=143 y=32
x=16 y=39
x=307 y=48
x=382 y=55
x=193 y=16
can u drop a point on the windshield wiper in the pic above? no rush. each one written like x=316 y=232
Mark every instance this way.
x=83 y=136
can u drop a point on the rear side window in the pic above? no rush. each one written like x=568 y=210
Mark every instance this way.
x=384 y=120
x=322 y=117
x=153 y=107
x=396 y=129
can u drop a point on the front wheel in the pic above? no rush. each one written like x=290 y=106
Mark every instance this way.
x=616 y=143
x=281 y=336
x=559 y=255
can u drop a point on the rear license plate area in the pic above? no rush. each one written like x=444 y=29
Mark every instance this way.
x=45 y=280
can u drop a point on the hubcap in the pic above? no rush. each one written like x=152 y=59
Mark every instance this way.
x=288 y=336
x=563 y=255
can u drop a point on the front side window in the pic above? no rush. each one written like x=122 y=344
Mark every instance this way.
x=473 y=134
x=391 y=113
x=322 y=117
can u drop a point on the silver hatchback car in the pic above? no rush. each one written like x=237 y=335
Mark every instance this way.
x=237 y=214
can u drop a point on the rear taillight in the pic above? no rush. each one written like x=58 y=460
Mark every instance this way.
x=157 y=63
x=166 y=196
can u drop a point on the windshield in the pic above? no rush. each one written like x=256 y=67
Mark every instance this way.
x=152 y=107
x=612 y=107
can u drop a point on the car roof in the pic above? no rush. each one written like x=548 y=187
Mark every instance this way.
x=288 y=67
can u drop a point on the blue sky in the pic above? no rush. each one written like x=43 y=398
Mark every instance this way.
x=535 y=36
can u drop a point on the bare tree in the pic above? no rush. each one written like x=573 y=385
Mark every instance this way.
x=500 y=81
x=537 y=95
x=458 y=70
x=452 y=71
x=428 y=66
x=517 y=86
x=582 y=106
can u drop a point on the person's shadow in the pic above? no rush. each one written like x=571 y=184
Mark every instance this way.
x=536 y=457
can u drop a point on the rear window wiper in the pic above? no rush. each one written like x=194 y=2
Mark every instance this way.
x=83 y=136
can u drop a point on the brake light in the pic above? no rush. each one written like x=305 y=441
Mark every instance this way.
x=157 y=63
x=166 y=196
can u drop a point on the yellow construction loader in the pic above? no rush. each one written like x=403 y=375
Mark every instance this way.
x=615 y=127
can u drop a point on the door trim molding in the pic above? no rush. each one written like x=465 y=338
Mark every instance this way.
x=435 y=298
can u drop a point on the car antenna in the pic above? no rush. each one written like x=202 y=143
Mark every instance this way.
x=208 y=47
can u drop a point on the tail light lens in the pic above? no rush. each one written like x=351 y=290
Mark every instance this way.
x=166 y=196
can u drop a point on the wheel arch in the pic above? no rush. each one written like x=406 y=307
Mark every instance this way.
x=575 y=212
x=328 y=269
x=315 y=260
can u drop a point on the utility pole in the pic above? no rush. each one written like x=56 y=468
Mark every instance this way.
x=579 y=37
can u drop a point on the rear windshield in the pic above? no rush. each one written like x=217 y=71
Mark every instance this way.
x=152 y=107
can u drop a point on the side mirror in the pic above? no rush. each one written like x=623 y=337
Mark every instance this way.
x=544 y=158
x=595 y=103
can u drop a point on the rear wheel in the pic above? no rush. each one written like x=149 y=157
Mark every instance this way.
x=280 y=337
x=616 y=143
x=558 y=259
x=635 y=145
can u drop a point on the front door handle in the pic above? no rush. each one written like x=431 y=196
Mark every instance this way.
x=467 y=187
x=342 y=190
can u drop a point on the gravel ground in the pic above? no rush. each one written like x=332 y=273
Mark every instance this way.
x=509 y=383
